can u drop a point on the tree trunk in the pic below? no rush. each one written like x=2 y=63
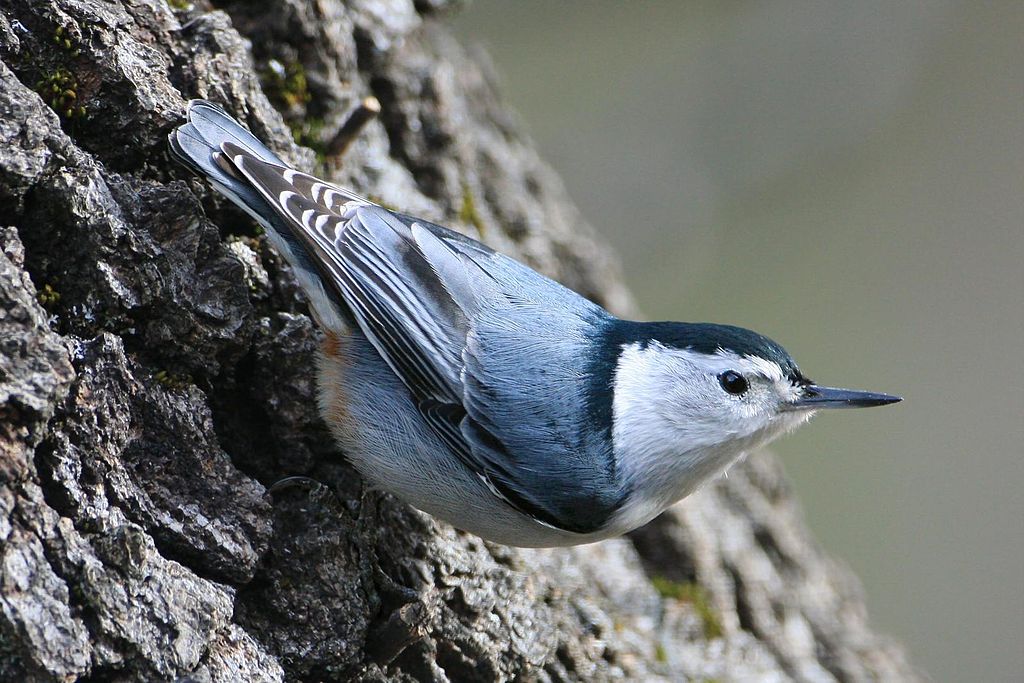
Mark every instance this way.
x=157 y=375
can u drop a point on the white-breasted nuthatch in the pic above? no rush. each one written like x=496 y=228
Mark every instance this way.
x=486 y=394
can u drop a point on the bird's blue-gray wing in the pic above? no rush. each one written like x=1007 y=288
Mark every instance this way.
x=496 y=356
x=531 y=378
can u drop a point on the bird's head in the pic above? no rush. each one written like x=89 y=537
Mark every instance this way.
x=691 y=398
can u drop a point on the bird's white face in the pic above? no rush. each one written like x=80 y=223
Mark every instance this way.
x=682 y=417
x=700 y=401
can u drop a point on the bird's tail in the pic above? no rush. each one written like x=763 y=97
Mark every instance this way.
x=196 y=144
x=199 y=144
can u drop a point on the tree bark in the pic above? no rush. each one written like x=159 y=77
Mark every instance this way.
x=157 y=375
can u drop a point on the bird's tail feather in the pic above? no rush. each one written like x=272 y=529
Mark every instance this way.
x=198 y=144
x=216 y=126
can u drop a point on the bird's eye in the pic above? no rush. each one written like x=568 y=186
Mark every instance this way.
x=733 y=382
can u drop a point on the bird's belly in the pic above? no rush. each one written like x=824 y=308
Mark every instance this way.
x=378 y=427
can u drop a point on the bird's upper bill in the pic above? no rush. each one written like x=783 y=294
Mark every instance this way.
x=814 y=397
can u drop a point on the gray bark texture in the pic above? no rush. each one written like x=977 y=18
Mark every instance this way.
x=157 y=376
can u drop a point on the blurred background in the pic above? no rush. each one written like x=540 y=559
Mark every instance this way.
x=847 y=178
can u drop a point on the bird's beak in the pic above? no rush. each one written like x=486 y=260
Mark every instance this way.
x=815 y=397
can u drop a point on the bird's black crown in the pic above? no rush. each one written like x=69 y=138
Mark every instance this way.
x=709 y=338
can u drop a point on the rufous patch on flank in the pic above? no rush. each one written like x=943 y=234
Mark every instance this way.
x=332 y=345
x=334 y=361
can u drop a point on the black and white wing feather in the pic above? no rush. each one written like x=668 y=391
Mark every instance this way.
x=375 y=268
x=470 y=333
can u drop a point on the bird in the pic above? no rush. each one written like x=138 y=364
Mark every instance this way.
x=480 y=391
